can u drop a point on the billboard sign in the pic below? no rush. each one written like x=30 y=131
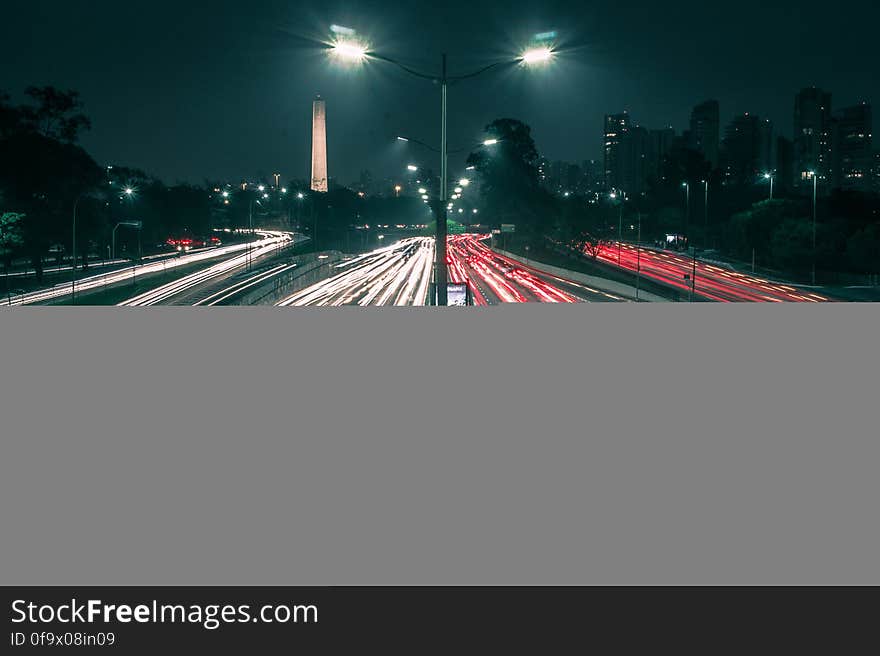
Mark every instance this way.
x=457 y=294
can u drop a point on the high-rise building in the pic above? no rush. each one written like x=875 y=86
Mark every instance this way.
x=784 y=164
x=812 y=136
x=320 y=181
x=851 y=151
x=705 y=130
x=747 y=148
x=660 y=143
x=543 y=171
x=876 y=184
x=592 y=178
x=617 y=165
x=626 y=154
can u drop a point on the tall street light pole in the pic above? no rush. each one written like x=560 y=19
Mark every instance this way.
x=352 y=50
x=639 y=259
x=687 y=207
x=73 y=249
x=815 y=183
x=769 y=176
x=706 y=205
x=441 y=274
x=622 y=195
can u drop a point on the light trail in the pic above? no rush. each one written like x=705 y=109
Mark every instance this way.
x=711 y=282
x=269 y=244
x=399 y=274
x=491 y=274
x=269 y=239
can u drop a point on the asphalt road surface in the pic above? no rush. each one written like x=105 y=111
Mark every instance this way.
x=495 y=279
x=712 y=282
x=399 y=274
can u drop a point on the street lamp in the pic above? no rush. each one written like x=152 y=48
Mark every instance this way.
x=614 y=196
x=129 y=224
x=536 y=56
x=73 y=248
x=706 y=206
x=639 y=259
x=815 y=183
x=769 y=176
x=347 y=47
x=687 y=205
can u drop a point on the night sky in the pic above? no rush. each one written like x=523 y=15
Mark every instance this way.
x=223 y=90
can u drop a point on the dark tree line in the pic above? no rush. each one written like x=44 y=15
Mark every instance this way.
x=45 y=174
x=739 y=221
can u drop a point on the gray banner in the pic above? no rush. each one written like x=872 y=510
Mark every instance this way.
x=652 y=444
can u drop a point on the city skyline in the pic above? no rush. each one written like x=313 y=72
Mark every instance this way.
x=250 y=66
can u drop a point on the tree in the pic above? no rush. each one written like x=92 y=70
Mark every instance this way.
x=863 y=249
x=11 y=118
x=10 y=231
x=57 y=114
x=508 y=174
x=583 y=227
x=755 y=228
x=791 y=245
x=41 y=178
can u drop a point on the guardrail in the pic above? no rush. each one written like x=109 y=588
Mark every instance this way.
x=311 y=268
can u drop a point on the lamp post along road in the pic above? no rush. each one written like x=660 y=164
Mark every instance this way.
x=353 y=50
x=639 y=259
x=619 y=229
x=815 y=182
x=441 y=276
x=73 y=249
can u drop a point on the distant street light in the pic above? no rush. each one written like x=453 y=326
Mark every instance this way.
x=706 y=206
x=412 y=168
x=490 y=142
x=769 y=176
x=619 y=221
x=537 y=56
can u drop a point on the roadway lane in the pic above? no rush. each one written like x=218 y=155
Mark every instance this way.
x=185 y=291
x=494 y=278
x=399 y=274
x=712 y=282
x=268 y=238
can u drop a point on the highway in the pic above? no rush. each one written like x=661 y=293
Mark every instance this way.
x=712 y=282
x=269 y=239
x=399 y=274
x=496 y=279
x=268 y=244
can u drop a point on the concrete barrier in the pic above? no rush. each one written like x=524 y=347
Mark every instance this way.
x=310 y=270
